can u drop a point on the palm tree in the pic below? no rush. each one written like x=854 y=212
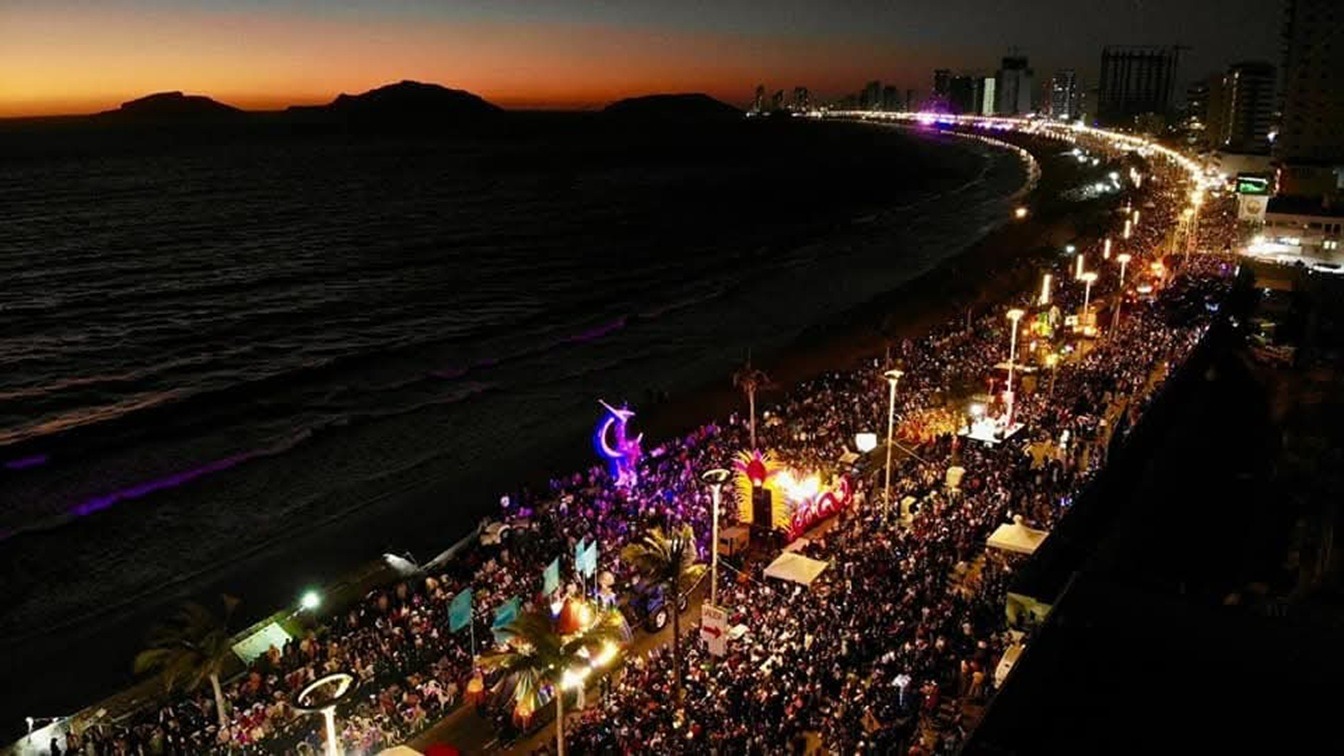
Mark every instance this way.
x=537 y=655
x=192 y=647
x=668 y=559
x=749 y=379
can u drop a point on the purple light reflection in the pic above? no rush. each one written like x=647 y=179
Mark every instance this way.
x=23 y=463
x=99 y=503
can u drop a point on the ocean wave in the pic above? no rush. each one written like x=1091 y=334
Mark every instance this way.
x=100 y=502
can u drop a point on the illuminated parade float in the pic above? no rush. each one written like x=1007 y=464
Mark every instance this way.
x=773 y=496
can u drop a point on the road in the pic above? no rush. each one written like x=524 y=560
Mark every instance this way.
x=471 y=733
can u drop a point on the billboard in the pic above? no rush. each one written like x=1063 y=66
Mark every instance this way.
x=1252 y=184
x=1251 y=207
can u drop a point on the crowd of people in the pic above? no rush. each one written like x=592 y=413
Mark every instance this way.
x=908 y=617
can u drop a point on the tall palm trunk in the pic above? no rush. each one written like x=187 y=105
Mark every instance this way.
x=219 y=701
x=751 y=403
x=676 y=640
x=559 y=720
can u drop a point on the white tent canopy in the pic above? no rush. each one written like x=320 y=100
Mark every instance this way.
x=1016 y=537
x=795 y=568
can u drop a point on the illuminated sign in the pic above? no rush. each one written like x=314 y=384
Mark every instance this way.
x=612 y=442
x=1252 y=208
x=1248 y=183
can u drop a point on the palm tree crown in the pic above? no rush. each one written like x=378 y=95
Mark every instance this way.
x=668 y=558
x=536 y=656
x=193 y=647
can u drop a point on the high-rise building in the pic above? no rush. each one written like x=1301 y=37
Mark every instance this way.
x=758 y=104
x=1215 y=112
x=1312 y=129
x=1197 y=101
x=1064 y=95
x=891 y=98
x=801 y=100
x=963 y=94
x=871 y=99
x=987 y=95
x=1135 y=81
x=1195 y=116
x=1248 y=107
x=910 y=104
x=942 y=82
x=1013 y=86
x=777 y=100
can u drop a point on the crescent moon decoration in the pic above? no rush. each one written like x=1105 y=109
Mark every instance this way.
x=613 y=444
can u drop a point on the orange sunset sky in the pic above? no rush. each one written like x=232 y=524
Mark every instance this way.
x=71 y=56
x=81 y=58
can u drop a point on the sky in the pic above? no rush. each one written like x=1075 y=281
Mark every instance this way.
x=67 y=56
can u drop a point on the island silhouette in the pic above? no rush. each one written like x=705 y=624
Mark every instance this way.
x=402 y=104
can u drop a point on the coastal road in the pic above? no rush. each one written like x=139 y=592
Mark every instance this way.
x=470 y=733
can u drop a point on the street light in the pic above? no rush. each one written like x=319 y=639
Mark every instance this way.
x=715 y=478
x=310 y=600
x=1106 y=249
x=1123 y=259
x=1014 y=316
x=1020 y=213
x=1052 y=362
x=893 y=377
x=1045 y=290
x=1078 y=266
x=1088 y=279
x=1128 y=227
x=322 y=696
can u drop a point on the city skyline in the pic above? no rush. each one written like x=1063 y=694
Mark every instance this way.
x=71 y=58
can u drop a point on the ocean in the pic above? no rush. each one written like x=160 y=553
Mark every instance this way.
x=248 y=364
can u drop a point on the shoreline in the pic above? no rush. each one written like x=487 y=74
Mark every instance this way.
x=983 y=271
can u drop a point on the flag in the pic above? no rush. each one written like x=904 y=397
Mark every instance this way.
x=459 y=611
x=550 y=579
x=504 y=614
x=580 y=551
x=589 y=564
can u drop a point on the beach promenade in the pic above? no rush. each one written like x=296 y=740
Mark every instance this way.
x=870 y=656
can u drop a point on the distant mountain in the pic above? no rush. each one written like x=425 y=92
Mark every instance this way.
x=173 y=106
x=681 y=107
x=407 y=102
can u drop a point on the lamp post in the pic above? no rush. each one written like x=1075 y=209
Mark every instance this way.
x=715 y=478
x=1193 y=227
x=893 y=377
x=1123 y=259
x=321 y=697
x=1088 y=279
x=1014 y=316
x=1078 y=265
x=1106 y=249
x=1045 y=290
x=1128 y=227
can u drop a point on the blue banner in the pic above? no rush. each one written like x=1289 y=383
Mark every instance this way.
x=505 y=613
x=550 y=579
x=459 y=611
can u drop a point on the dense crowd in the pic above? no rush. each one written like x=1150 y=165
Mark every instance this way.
x=908 y=617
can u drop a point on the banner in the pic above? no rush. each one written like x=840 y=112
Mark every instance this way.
x=504 y=614
x=550 y=579
x=580 y=549
x=587 y=565
x=459 y=611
